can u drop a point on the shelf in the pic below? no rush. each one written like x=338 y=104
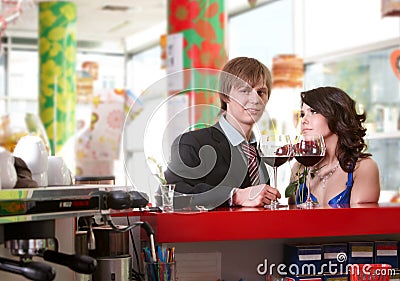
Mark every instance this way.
x=258 y=223
x=44 y=203
x=46 y=216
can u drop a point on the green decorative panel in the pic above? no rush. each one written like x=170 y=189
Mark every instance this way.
x=57 y=85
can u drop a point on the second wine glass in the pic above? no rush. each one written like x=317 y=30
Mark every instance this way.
x=308 y=150
x=274 y=151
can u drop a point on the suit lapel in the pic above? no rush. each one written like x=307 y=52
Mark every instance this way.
x=222 y=144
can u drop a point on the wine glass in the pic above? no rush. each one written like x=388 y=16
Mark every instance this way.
x=274 y=151
x=308 y=150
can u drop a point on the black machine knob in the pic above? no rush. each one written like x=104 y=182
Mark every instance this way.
x=119 y=199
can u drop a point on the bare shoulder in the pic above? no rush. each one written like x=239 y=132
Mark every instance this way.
x=366 y=165
x=366 y=187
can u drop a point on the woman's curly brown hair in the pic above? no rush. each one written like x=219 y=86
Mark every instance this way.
x=343 y=120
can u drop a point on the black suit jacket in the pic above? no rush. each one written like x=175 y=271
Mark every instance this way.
x=204 y=161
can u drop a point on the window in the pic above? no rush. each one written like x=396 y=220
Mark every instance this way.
x=331 y=26
x=21 y=95
x=369 y=79
x=262 y=32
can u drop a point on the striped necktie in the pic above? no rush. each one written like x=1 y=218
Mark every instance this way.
x=251 y=155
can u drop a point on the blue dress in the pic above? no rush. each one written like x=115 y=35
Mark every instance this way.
x=339 y=201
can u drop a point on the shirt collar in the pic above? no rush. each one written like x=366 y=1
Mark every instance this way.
x=234 y=137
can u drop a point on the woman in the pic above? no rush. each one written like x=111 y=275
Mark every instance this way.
x=347 y=175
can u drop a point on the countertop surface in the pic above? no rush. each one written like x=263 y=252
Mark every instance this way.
x=228 y=224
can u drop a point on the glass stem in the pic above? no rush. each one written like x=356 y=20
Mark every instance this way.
x=275 y=179
x=308 y=187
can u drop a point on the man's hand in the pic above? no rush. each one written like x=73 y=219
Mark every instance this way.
x=255 y=196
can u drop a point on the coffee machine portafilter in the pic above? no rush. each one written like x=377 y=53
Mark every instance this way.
x=36 y=271
x=37 y=240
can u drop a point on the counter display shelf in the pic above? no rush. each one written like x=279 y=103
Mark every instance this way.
x=258 y=223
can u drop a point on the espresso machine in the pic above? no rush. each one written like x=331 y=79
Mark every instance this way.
x=27 y=230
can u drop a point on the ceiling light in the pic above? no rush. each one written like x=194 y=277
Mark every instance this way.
x=115 y=8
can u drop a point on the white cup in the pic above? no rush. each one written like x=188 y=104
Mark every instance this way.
x=58 y=172
x=33 y=151
x=40 y=178
x=8 y=174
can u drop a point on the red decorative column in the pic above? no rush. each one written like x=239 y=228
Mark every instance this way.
x=202 y=25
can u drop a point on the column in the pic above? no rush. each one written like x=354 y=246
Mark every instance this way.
x=57 y=59
x=202 y=25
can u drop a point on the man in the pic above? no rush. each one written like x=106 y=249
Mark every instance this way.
x=219 y=163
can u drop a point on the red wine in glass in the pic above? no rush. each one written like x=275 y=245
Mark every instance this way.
x=275 y=161
x=308 y=150
x=275 y=150
x=309 y=161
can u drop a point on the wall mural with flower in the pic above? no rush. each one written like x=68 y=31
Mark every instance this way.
x=203 y=25
x=57 y=85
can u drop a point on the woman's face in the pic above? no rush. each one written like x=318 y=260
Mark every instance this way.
x=246 y=104
x=313 y=122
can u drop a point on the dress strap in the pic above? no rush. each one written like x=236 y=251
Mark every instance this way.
x=350 y=180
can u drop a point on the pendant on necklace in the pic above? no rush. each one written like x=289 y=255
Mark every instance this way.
x=324 y=182
x=325 y=178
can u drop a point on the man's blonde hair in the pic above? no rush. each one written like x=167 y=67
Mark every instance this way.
x=249 y=70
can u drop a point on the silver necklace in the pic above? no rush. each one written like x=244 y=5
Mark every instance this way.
x=325 y=178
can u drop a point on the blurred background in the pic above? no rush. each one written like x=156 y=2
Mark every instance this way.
x=124 y=49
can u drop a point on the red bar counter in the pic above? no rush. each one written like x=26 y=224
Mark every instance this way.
x=232 y=224
x=247 y=237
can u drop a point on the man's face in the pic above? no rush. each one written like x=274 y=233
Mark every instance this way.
x=247 y=104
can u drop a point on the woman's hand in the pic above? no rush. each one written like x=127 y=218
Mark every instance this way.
x=255 y=196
